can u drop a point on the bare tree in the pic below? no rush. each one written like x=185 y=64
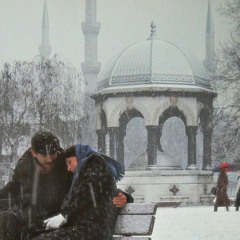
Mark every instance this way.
x=42 y=94
x=15 y=102
x=227 y=111
x=58 y=98
x=57 y=95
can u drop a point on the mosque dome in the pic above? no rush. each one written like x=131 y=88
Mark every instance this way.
x=153 y=64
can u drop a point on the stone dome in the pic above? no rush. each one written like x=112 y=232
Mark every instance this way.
x=153 y=63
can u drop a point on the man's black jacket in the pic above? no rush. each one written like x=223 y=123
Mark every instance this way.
x=33 y=196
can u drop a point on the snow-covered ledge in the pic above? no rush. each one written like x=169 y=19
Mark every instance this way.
x=138 y=198
x=182 y=199
x=206 y=200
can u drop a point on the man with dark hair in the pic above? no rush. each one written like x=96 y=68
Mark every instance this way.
x=37 y=188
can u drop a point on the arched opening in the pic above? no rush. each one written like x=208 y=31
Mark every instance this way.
x=172 y=149
x=135 y=143
x=174 y=141
x=132 y=127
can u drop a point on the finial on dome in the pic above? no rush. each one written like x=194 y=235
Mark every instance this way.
x=153 y=31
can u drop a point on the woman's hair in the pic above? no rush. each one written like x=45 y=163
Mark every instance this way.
x=70 y=152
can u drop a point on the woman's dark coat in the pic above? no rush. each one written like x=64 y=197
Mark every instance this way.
x=221 y=195
x=89 y=208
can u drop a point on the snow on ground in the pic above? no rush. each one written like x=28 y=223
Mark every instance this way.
x=196 y=223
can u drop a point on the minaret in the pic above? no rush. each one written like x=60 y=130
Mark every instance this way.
x=210 y=58
x=45 y=49
x=90 y=67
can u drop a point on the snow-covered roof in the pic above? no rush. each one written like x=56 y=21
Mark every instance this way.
x=154 y=88
x=152 y=62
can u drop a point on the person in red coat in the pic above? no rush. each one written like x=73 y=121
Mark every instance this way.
x=222 y=199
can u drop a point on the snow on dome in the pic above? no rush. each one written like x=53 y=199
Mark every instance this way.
x=152 y=62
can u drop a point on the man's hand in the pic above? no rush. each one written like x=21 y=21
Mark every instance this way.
x=120 y=200
x=55 y=222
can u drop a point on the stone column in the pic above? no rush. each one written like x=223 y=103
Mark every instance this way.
x=207 y=149
x=159 y=145
x=120 y=146
x=112 y=141
x=101 y=141
x=1 y=139
x=152 y=146
x=191 y=132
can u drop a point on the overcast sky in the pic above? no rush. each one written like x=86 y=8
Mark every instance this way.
x=123 y=22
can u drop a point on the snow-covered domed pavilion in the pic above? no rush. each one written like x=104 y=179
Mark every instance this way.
x=153 y=63
x=155 y=80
